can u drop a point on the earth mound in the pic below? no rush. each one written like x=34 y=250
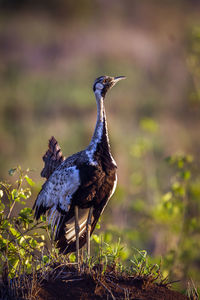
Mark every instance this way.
x=65 y=282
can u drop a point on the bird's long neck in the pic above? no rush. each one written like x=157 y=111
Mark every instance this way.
x=101 y=124
x=100 y=136
x=101 y=120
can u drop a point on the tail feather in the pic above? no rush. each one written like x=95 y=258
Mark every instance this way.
x=52 y=158
x=66 y=240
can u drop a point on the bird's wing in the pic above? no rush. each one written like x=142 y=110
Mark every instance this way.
x=52 y=158
x=56 y=194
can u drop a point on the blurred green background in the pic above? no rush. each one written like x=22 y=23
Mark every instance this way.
x=50 y=54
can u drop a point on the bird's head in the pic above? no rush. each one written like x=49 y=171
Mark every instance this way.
x=103 y=83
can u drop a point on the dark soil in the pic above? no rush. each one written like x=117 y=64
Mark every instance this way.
x=64 y=282
x=87 y=288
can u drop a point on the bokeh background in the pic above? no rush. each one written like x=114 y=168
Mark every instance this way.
x=50 y=54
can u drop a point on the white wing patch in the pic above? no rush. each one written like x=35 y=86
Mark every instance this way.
x=58 y=192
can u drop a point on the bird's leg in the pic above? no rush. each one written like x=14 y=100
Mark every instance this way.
x=88 y=230
x=77 y=230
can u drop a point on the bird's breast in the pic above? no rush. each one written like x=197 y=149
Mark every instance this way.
x=96 y=185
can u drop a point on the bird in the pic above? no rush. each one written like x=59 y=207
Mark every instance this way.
x=78 y=188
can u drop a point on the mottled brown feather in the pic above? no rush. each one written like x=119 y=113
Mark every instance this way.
x=52 y=158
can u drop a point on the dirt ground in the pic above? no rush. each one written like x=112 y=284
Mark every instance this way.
x=87 y=288
x=64 y=282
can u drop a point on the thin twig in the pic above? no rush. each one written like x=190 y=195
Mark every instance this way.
x=11 y=209
x=107 y=289
x=115 y=284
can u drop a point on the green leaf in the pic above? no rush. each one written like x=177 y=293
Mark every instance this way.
x=43 y=218
x=14 y=231
x=180 y=162
x=178 y=189
x=5 y=224
x=26 y=212
x=45 y=259
x=96 y=238
x=29 y=180
x=3 y=243
x=193 y=224
x=166 y=197
x=98 y=226
x=25 y=215
x=185 y=175
x=149 y=125
x=15 y=195
x=2 y=207
x=22 y=252
x=33 y=243
x=72 y=257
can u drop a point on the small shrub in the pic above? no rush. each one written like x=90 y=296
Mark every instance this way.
x=20 y=243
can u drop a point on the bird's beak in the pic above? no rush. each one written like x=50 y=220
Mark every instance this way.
x=118 y=78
